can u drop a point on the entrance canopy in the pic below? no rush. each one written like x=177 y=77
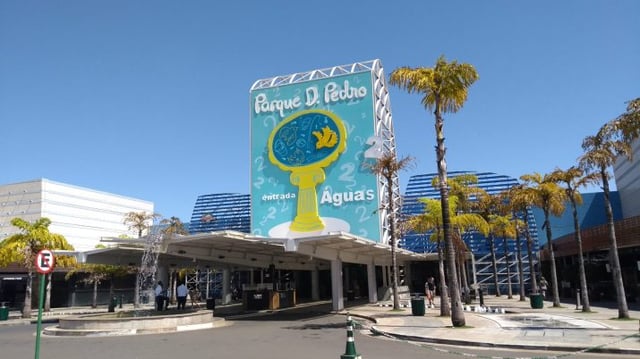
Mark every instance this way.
x=245 y=250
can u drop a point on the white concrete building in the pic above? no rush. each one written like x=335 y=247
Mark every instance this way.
x=80 y=214
x=627 y=174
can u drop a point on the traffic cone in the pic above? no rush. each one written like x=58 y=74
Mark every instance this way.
x=350 y=351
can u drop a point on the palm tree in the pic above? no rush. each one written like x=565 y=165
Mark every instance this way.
x=550 y=198
x=487 y=208
x=574 y=178
x=140 y=221
x=520 y=199
x=444 y=89
x=500 y=226
x=431 y=221
x=516 y=223
x=612 y=141
x=24 y=246
x=388 y=167
x=174 y=226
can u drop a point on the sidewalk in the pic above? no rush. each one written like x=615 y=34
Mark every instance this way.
x=520 y=327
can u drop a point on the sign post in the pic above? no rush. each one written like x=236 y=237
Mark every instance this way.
x=44 y=265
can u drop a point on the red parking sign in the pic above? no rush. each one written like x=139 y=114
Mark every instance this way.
x=45 y=261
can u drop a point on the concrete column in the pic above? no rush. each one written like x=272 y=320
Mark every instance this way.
x=226 y=279
x=385 y=276
x=315 y=284
x=407 y=274
x=162 y=273
x=371 y=283
x=337 y=295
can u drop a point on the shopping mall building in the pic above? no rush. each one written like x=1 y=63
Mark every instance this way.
x=315 y=224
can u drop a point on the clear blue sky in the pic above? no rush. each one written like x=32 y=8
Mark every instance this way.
x=150 y=99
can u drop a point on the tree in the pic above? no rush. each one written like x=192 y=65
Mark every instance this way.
x=550 y=198
x=500 y=226
x=520 y=199
x=94 y=274
x=488 y=208
x=572 y=179
x=140 y=221
x=387 y=166
x=444 y=89
x=174 y=226
x=612 y=141
x=431 y=221
x=24 y=246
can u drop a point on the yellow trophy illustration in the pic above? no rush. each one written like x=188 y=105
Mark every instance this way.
x=304 y=144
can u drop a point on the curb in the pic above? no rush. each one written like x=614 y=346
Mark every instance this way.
x=458 y=342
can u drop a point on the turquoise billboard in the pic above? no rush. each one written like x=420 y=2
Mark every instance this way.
x=312 y=146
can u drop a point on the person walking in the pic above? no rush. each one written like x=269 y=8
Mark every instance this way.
x=181 y=293
x=429 y=291
x=159 y=292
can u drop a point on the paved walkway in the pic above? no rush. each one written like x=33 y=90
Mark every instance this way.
x=520 y=327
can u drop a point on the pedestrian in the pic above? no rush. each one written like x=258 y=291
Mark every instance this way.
x=429 y=291
x=543 y=287
x=181 y=293
x=159 y=291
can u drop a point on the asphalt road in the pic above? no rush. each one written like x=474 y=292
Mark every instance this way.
x=311 y=335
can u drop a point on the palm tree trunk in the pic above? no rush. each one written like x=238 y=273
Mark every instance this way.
x=520 y=269
x=392 y=229
x=614 y=260
x=552 y=259
x=26 y=308
x=465 y=281
x=457 y=311
x=532 y=269
x=494 y=264
x=506 y=258
x=584 y=295
x=47 y=297
x=445 y=309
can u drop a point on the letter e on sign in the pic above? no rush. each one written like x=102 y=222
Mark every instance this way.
x=45 y=261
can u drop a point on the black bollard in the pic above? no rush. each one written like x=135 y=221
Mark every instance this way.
x=481 y=297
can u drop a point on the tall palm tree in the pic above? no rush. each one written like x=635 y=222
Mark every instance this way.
x=612 y=141
x=572 y=179
x=488 y=206
x=24 y=246
x=388 y=166
x=516 y=229
x=444 y=89
x=521 y=197
x=550 y=198
x=431 y=221
x=500 y=226
x=140 y=221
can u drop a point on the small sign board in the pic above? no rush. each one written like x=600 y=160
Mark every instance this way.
x=45 y=261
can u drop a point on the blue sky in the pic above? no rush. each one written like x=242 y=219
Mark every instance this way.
x=150 y=99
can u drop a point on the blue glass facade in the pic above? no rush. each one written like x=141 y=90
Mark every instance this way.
x=221 y=211
x=419 y=186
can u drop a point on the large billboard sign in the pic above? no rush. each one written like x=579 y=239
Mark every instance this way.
x=312 y=146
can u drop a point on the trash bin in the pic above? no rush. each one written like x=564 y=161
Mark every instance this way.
x=417 y=306
x=211 y=304
x=536 y=301
x=4 y=312
x=113 y=303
